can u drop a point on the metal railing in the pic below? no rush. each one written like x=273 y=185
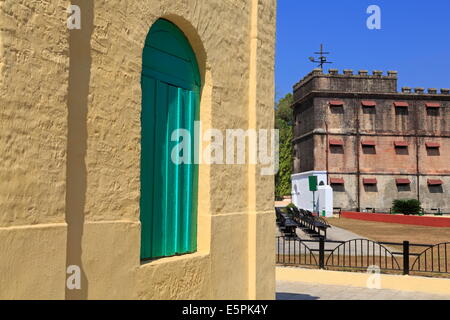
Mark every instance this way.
x=360 y=254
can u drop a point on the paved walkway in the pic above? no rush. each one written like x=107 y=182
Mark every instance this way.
x=287 y=290
x=334 y=233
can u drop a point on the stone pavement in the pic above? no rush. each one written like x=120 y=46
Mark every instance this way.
x=334 y=233
x=290 y=290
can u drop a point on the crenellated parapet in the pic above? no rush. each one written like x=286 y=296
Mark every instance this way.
x=419 y=90
x=347 y=81
x=357 y=82
x=376 y=74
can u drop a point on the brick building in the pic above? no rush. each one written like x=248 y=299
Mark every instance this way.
x=374 y=143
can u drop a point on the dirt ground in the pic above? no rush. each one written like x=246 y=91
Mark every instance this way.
x=392 y=232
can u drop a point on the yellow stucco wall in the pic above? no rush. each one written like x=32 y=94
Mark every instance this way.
x=70 y=150
x=34 y=67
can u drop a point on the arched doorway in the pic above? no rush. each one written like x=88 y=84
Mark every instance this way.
x=170 y=101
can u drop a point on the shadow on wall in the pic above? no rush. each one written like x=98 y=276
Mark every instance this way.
x=401 y=151
x=436 y=189
x=401 y=111
x=370 y=188
x=368 y=110
x=433 y=152
x=369 y=150
x=403 y=188
x=336 y=150
x=337 y=110
x=338 y=187
x=433 y=112
x=76 y=171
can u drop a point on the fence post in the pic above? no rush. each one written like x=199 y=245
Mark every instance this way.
x=405 y=257
x=321 y=253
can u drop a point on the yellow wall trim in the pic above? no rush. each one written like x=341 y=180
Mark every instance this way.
x=174 y=259
x=353 y=279
x=35 y=226
x=33 y=261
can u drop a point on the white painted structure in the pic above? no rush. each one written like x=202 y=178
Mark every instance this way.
x=325 y=200
x=303 y=198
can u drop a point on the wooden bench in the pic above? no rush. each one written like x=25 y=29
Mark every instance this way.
x=287 y=225
x=306 y=219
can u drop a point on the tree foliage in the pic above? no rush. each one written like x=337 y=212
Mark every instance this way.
x=284 y=122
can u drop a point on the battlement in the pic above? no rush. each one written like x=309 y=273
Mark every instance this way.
x=376 y=74
x=360 y=82
x=409 y=90
x=333 y=81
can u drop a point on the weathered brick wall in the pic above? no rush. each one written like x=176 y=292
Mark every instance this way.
x=341 y=113
x=304 y=118
x=340 y=158
x=305 y=149
x=433 y=121
x=381 y=195
x=384 y=157
x=386 y=119
x=340 y=119
x=345 y=195
x=434 y=161
x=435 y=196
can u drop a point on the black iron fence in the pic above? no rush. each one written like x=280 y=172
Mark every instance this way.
x=360 y=254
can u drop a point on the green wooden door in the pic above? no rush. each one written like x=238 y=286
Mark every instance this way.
x=170 y=101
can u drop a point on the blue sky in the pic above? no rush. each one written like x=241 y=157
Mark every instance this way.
x=414 y=39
